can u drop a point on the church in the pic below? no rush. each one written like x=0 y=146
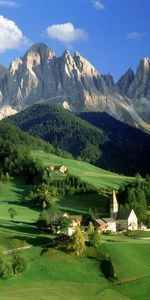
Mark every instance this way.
x=120 y=219
x=126 y=219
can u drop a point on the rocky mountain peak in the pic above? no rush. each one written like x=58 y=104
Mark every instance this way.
x=108 y=80
x=140 y=86
x=84 y=66
x=125 y=81
x=42 y=50
x=67 y=58
x=145 y=63
x=38 y=54
x=73 y=81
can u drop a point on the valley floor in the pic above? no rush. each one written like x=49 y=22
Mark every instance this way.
x=58 y=275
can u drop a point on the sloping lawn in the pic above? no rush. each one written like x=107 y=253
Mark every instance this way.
x=89 y=173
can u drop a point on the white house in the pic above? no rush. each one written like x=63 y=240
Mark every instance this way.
x=111 y=224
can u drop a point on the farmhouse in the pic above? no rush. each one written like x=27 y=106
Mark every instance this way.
x=54 y=222
x=100 y=225
x=61 y=169
x=104 y=225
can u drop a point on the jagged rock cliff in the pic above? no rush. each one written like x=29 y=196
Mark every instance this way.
x=40 y=76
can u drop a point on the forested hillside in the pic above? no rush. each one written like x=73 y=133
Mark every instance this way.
x=127 y=148
x=63 y=129
x=109 y=144
x=15 y=156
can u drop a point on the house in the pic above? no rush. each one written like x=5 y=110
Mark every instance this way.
x=126 y=219
x=111 y=224
x=75 y=221
x=100 y=225
x=61 y=169
x=104 y=225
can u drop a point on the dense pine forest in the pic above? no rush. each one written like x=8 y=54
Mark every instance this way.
x=109 y=144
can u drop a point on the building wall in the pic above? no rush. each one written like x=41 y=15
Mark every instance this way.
x=112 y=226
x=132 y=221
x=122 y=224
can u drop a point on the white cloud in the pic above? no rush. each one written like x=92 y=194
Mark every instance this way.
x=135 y=36
x=9 y=4
x=98 y=5
x=66 y=33
x=11 y=37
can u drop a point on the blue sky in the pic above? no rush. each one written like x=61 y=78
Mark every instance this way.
x=112 y=34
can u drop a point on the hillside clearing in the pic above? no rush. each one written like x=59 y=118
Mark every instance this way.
x=98 y=177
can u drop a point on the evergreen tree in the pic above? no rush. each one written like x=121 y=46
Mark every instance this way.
x=96 y=239
x=78 y=242
x=90 y=229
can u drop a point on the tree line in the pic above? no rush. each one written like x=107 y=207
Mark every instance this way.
x=136 y=195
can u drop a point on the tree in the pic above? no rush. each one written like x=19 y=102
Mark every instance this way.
x=78 y=242
x=64 y=223
x=42 y=222
x=12 y=212
x=18 y=263
x=96 y=239
x=5 y=269
x=90 y=229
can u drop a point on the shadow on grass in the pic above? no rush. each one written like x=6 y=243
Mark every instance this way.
x=85 y=202
x=35 y=241
x=25 y=233
x=20 y=227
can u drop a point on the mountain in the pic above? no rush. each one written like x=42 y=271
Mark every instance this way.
x=61 y=128
x=137 y=87
x=71 y=81
x=124 y=82
x=12 y=137
x=110 y=144
x=127 y=149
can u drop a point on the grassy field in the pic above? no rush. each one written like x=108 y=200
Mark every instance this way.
x=63 y=276
x=59 y=276
x=11 y=196
x=130 y=259
x=89 y=173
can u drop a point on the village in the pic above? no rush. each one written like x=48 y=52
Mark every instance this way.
x=119 y=219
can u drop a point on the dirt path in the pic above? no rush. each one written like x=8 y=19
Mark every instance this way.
x=24 y=248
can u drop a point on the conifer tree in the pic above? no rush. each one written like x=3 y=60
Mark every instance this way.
x=78 y=242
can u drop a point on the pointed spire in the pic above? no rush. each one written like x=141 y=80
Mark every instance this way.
x=114 y=206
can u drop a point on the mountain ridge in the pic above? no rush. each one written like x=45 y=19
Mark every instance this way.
x=101 y=140
x=73 y=82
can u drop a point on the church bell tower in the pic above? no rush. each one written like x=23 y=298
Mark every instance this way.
x=113 y=206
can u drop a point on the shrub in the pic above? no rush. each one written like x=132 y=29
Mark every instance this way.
x=18 y=263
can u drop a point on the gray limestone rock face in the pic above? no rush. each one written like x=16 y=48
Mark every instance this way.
x=140 y=86
x=71 y=81
x=108 y=80
x=125 y=82
x=2 y=71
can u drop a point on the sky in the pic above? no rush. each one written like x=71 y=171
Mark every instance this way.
x=112 y=34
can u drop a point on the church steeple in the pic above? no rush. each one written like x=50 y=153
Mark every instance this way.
x=113 y=206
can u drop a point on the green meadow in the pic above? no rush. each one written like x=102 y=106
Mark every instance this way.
x=58 y=275
x=87 y=172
